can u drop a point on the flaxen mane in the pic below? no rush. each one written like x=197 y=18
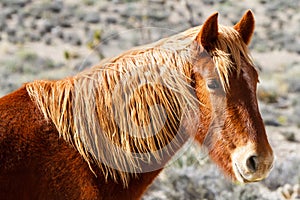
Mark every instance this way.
x=122 y=112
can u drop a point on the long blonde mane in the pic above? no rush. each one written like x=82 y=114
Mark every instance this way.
x=123 y=111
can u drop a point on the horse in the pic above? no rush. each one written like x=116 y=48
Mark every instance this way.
x=107 y=132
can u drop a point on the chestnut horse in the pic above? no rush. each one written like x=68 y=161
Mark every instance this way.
x=107 y=132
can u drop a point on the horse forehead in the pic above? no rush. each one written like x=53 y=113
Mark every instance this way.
x=205 y=67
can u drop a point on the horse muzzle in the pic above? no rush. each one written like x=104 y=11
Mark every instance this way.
x=249 y=165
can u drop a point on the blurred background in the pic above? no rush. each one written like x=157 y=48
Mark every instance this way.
x=45 y=39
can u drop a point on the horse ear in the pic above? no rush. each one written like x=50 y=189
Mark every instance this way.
x=245 y=26
x=209 y=32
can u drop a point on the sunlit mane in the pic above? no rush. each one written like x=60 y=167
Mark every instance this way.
x=110 y=112
x=227 y=54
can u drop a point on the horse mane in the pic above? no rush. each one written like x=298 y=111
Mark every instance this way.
x=109 y=112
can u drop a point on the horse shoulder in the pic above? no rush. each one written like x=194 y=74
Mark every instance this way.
x=34 y=161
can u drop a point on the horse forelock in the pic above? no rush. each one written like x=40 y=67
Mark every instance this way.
x=110 y=112
x=228 y=52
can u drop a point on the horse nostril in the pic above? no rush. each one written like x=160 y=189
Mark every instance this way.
x=252 y=163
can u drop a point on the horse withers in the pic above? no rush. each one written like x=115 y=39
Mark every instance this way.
x=107 y=132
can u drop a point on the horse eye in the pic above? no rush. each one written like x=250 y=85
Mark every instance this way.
x=213 y=84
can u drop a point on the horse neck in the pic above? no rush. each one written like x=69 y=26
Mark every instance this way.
x=56 y=101
x=140 y=182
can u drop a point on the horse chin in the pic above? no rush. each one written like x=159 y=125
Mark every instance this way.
x=239 y=175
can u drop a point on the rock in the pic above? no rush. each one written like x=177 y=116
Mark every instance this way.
x=65 y=23
x=65 y=18
x=289 y=136
x=32 y=24
x=68 y=12
x=34 y=36
x=275 y=35
x=11 y=32
x=285 y=40
x=87 y=29
x=2 y=24
x=209 y=2
x=12 y=39
x=21 y=17
x=46 y=26
x=103 y=8
x=48 y=40
x=15 y=3
x=9 y=11
x=271 y=122
x=272 y=8
x=158 y=15
x=111 y=20
x=293 y=84
x=56 y=6
x=92 y=17
x=296 y=115
x=57 y=32
x=37 y=13
x=73 y=39
x=20 y=3
x=160 y=2
x=263 y=1
x=131 y=12
x=81 y=16
x=293 y=47
x=20 y=37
